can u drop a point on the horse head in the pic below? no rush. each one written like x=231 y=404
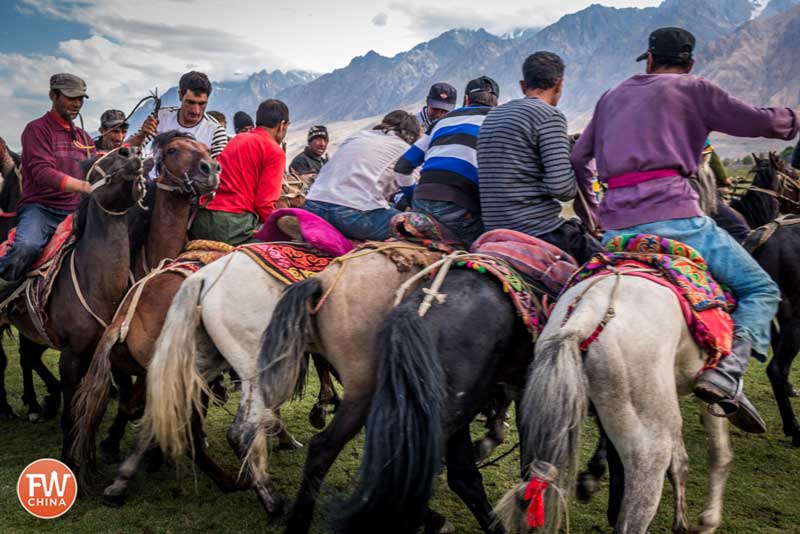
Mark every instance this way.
x=116 y=178
x=184 y=164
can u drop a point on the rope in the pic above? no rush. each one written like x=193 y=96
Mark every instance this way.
x=353 y=255
x=496 y=460
x=137 y=289
x=78 y=291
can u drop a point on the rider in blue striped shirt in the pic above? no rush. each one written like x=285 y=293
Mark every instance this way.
x=448 y=186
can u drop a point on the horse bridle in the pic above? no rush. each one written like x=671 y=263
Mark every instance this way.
x=106 y=179
x=185 y=184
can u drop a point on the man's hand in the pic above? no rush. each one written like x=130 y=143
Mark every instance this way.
x=148 y=129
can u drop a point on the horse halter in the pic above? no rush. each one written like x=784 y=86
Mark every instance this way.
x=107 y=178
x=185 y=184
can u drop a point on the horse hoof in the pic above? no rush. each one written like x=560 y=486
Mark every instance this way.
x=52 y=403
x=291 y=445
x=587 y=486
x=114 y=497
x=483 y=448
x=34 y=417
x=448 y=528
x=317 y=417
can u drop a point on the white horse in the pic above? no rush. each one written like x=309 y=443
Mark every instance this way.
x=632 y=373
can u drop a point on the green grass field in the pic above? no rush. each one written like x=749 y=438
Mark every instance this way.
x=762 y=495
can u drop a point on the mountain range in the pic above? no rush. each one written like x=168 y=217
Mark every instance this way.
x=749 y=47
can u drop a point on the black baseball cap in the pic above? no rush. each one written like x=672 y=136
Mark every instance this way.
x=672 y=43
x=483 y=84
x=317 y=131
x=442 y=96
x=113 y=118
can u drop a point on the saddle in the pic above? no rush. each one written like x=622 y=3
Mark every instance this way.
x=704 y=302
x=59 y=239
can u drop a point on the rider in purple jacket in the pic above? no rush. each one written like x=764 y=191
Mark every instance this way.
x=647 y=135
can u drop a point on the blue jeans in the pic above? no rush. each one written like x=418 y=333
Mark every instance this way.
x=757 y=295
x=370 y=225
x=36 y=224
x=462 y=223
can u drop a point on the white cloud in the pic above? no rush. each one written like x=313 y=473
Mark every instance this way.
x=380 y=19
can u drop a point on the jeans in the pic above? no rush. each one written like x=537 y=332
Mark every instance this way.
x=757 y=295
x=573 y=238
x=35 y=226
x=370 y=225
x=460 y=222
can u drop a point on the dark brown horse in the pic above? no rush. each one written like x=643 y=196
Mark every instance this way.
x=185 y=173
x=87 y=290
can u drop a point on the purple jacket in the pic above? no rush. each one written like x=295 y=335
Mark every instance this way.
x=50 y=155
x=661 y=121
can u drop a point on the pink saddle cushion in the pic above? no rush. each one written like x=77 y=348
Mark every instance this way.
x=315 y=230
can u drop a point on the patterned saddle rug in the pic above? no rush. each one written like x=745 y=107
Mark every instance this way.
x=59 y=239
x=287 y=262
x=679 y=267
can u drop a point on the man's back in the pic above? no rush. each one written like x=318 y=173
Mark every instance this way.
x=523 y=167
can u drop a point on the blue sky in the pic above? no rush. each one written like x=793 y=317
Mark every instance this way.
x=124 y=48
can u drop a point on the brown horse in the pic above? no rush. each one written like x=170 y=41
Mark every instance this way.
x=185 y=172
x=94 y=278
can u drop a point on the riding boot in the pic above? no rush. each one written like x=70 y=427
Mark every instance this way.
x=722 y=386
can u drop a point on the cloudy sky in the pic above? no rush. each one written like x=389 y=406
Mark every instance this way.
x=123 y=48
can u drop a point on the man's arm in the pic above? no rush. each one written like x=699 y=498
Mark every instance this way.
x=559 y=178
x=41 y=164
x=724 y=113
x=414 y=156
x=219 y=142
x=268 y=187
x=146 y=133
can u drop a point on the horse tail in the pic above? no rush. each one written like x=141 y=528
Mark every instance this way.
x=90 y=404
x=282 y=360
x=404 y=440
x=174 y=384
x=552 y=409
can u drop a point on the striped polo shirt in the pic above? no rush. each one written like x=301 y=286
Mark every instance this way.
x=447 y=153
x=524 y=167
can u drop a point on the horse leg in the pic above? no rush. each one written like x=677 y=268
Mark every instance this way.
x=496 y=413
x=34 y=353
x=778 y=373
x=286 y=441
x=589 y=480
x=327 y=393
x=466 y=481
x=616 y=483
x=28 y=389
x=115 y=494
x=720 y=459
x=109 y=447
x=6 y=412
x=678 y=473
x=322 y=451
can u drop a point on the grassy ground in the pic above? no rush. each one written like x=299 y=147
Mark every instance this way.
x=762 y=494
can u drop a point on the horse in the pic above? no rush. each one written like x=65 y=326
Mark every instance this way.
x=633 y=374
x=30 y=353
x=434 y=374
x=185 y=173
x=94 y=276
x=214 y=321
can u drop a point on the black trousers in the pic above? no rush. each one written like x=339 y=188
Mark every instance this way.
x=572 y=238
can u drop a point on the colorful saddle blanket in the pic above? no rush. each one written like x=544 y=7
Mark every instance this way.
x=196 y=255
x=535 y=259
x=294 y=224
x=421 y=229
x=59 y=239
x=679 y=267
x=288 y=263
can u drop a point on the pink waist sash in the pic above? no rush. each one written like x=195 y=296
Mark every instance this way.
x=636 y=178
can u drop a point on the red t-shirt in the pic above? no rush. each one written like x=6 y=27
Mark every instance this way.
x=252 y=172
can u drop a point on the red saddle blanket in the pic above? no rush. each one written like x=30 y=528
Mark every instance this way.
x=59 y=239
x=288 y=263
x=535 y=259
x=679 y=267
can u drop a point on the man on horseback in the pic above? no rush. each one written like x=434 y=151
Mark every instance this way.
x=52 y=146
x=523 y=162
x=647 y=135
x=194 y=90
x=113 y=130
x=448 y=184
x=250 y=183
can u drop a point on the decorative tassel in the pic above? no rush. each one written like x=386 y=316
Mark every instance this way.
x=534 y=492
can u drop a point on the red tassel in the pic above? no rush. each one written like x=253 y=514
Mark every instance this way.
x=534 y=492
